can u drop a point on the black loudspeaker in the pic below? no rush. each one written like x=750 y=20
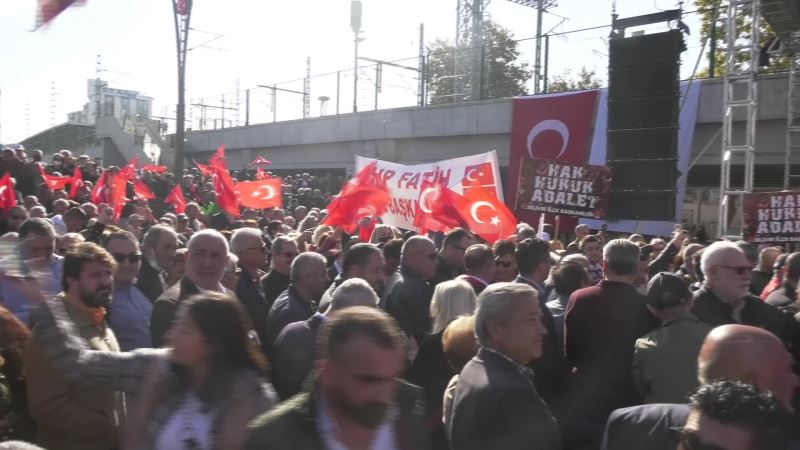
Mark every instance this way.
x=643 y=116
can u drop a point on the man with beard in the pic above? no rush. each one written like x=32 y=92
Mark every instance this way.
x=158 y=247
x=71 y=416
x=357 y=400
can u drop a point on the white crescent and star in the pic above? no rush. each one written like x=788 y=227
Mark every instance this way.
x=266 y=188
x=549 y=125
x=474 y=210
x=472 y=171
x=423 y=204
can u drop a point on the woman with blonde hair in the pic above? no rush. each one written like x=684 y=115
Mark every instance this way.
x=430 y=369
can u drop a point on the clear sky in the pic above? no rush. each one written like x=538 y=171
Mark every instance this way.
x=263 y=42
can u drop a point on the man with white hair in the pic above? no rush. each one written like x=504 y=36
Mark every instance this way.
x=725 y=296
x=295 y=348
x=299 y=301
x=495 y=404
x=206 y=256
x=248 y=245
x=158 y=251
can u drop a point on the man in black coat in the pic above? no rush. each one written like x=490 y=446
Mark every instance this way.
x=410 y=298
x=206 y=257
x=732 y=352
x=158 y=249
x=284 y=251
x=249 y=247
x=495 y=404
x=300 y=300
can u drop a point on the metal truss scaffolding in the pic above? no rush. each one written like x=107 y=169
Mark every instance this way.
x=792 y=121
x=740 y=99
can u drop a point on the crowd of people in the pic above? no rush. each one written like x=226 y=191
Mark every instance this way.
x=198 y=330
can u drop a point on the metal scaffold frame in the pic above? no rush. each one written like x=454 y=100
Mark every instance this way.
x=792 y=120
x=741 y=64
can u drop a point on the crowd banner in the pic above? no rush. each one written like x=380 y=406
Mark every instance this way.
x=771 y=217
x=405 y=181
x=563 y=188
x=571 y=128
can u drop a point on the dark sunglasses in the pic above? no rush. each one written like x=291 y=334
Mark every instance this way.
x=740 y=270
x=691 y=441
x=497 y=262
x=132 y=257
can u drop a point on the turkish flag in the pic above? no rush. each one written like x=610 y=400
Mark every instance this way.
x=142 y=190
x=176 y=199
x=100 y=191
x=77 y=182
x=154 y=169
x=260 y=161
x=53 y=182
x=437 y=208
x=224 y=186
x=487 y=216
x=260 y=174
x=8 y=198
x=261 y=194
x=556 y=127
x=363 y=196
x=204 y=169
x=128 y=172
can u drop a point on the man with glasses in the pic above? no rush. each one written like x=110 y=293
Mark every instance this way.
x=725 y=296
x=158 y=248
x=284 y=251
x=451 y=256
x=130 y=310
x=248 y=245
x=410 y=298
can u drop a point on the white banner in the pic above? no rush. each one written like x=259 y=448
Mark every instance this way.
x=458 y=174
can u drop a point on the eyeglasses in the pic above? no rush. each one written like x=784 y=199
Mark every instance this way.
x=740 y=270
x=691 y=441
x=132 y=257
x=497 y=262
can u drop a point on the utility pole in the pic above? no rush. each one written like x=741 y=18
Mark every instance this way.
x=712 y=53
x=182 y=12
x=537 y=65
x=423 y=82
x=355 y=24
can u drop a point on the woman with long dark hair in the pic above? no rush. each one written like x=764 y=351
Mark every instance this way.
x=15 y=422
x=199 y=393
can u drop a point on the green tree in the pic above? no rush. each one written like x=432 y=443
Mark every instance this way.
x=495 y=67
x=716 y=11
x=583 y=80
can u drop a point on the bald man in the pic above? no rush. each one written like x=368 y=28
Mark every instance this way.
x=733 y=352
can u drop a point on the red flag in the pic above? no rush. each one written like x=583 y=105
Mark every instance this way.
x=128 y=172
x=176 y=199
x=8 y=198
x=50 y=9
x=100 y=191
x=438 y=208
x=365 y=232
x=154 y=169
x=260 y=174
x=261 y=194
x=142 y=191
x=77 y=182
x=363 y=196
x=53 y=182
x=118 y=187
x=204 y=169
x=260 y=161
x=219 y=158
x=223 y=184
x=487 y=216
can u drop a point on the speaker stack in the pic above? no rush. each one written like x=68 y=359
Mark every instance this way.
x=643 y=117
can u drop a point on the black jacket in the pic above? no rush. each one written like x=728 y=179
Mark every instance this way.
x=409 y=303
x=293 y=424
x=149 y=281
x=652 y=427
x=496 y=407
x=759 y=281
x=165 y=307
x=293 y=356
x=272 y=285
x=250 y=296
x=288 y=308
x=663 y=260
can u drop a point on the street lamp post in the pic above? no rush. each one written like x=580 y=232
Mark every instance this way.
x=355 y=24
x=182 y=10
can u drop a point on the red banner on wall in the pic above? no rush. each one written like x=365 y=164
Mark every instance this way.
x=564 y=188
x=555 y=127
x=771 y=217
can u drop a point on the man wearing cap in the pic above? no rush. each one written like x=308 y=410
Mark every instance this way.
x=665 y=360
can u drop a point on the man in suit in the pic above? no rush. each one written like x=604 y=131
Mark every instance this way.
x=284 y=251
x=732 y=352
x=495 y=404
x=357 y=400
x=601 y=325
x=248 y=245
x=158 y=250
x=533 y=260
x=295 y=348
x=206 y=256
x=479 y=262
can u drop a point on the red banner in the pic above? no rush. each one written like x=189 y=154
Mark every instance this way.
x=769 y=217
x=555 y=127
x=564 y=188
